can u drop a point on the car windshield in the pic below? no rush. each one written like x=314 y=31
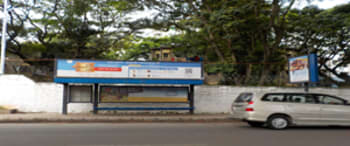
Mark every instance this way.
x=244 y=97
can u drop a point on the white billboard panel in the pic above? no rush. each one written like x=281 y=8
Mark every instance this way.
x=124 y=69
x=299 y=69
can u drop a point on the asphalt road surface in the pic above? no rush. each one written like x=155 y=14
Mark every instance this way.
x=168 y=134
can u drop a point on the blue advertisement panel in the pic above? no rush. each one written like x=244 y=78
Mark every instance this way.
x=93 y=71
x=303 y=69
x=313 y=68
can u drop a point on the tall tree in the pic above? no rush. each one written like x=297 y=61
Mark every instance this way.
x=68 y=28
x=81 y=28
x=325 y=32
x=236 y=31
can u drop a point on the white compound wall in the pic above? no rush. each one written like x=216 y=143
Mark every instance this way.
x=218 y=99
x=28 y=96
x=20 y=92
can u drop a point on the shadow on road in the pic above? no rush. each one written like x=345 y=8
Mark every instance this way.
x=247 y=127
x=320 y=128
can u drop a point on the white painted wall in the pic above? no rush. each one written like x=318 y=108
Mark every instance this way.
x=25 y=95
x=218 y=99
x=16 y=91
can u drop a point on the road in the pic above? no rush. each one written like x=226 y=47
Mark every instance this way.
x=167 y=134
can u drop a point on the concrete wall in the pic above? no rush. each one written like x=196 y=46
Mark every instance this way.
x=218 y=99
x=24 y=94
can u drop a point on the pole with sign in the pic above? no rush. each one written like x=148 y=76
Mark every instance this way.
x=3 y=39
x=303 y=69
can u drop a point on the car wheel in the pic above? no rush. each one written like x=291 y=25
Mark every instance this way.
x=278 y=122
x=255 y=124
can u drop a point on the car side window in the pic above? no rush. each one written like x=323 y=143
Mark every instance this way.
x=274 y=98
x=301 y=99
x=324 y=99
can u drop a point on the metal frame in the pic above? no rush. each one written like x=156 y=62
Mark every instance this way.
x=96 y=87
x=190 y=103
x=191 y=98
x=65 y=99
x=96 y=98
x=3 y=37
x=96 y=108
x=144 y=108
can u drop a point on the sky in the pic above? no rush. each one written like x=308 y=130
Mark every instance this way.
x=324 y=4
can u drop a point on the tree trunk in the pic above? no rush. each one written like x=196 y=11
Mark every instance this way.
x=248 y=73
x=266 y=69
x=216 y=48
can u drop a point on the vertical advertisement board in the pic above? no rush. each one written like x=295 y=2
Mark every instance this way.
x=303 y=69
x=299 y=69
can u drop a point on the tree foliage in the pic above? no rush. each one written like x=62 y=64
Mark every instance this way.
x=243 y=42
x=249 y=42
x=325 y=32
x=67 y=28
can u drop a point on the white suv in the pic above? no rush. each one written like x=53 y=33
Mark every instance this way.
x=280 y=110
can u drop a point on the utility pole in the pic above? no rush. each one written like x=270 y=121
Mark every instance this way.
x=307 y=84
x=3 y=39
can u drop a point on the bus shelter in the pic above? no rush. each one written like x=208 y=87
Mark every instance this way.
x=99 y=81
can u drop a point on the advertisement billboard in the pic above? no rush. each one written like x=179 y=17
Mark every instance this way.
x=121 y=69
x=94 y=71
x=299 y=69
x=143 y=94
x=303 y=69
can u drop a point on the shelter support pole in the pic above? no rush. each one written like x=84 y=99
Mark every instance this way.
x=306 y=87
x=65 y=99
x=191 y=98
x=3 y=38
x=95 y=105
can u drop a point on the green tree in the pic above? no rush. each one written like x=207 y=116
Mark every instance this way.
x=68 y=28
x=325 y=32
x=81 y=28
x=236 y=31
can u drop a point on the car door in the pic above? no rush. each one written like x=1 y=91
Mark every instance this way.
x=334 y=110
x=304 y=108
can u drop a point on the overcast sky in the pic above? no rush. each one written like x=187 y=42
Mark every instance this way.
x=324 y=4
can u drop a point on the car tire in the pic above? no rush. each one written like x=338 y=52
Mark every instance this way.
x=278 y=122
x=255 y=124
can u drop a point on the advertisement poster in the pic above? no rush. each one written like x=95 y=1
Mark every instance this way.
x=126 y=69
x=143 y=94
x=299 y=69
x=112 y=94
